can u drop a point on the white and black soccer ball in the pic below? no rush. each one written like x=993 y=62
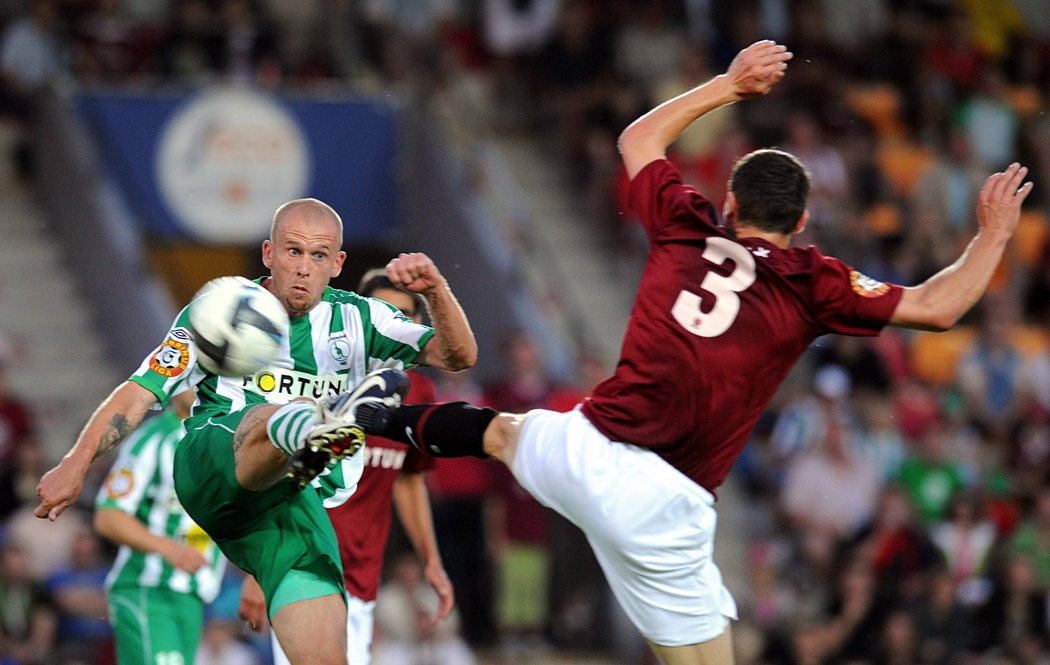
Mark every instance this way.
x=237 y=326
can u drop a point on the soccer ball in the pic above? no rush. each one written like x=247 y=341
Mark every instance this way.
x=237 y=326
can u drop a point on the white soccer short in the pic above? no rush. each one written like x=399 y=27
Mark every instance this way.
x=360 y=618
x=651 y=528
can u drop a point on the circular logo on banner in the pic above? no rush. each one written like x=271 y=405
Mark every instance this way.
x=227 y=160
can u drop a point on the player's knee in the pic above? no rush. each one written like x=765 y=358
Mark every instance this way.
x=501 y=436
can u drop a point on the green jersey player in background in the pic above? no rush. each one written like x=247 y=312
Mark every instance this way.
x=231 y=469
x=167 y=567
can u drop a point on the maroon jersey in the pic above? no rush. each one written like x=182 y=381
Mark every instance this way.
x=362 y=524
x=717 y=324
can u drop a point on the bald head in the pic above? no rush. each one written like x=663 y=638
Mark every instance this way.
x=311 y=208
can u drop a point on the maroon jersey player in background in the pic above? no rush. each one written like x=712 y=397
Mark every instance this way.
x=721 y=315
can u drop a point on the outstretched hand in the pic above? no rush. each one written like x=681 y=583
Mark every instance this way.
x=58 y=489
x=755 y=70
x=414 y=272
x=999 y=203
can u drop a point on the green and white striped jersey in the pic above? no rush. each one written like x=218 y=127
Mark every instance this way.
x=141 y=485
x=328 y=351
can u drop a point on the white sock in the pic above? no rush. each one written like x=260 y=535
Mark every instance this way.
x=289 y=425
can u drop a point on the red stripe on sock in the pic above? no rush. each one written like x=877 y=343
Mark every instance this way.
x=422 y=423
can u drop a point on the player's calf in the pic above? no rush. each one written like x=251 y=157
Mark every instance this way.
x=337 y=426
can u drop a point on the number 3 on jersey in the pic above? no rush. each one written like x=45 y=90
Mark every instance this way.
x=725 y=288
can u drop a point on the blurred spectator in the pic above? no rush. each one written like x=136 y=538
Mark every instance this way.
x=461 y=494
x=948 y=188
x=1032 y=539
x=18 y=479
x=879 y=438
x=648 y=45
x=190 y=54
x=28 y=621
x=30 y=54
x=111 y=44
x=989 y=120
x=48 y=545
x=942 y=624
x=1015 y=615
x=929 y=476
x=898 y=547
x=16 y=419
x=953 y=54
x=831 y=489
x=828 y=178
x=522 y=532
x=247 y=50
x=404 y=633
x=995 y=377
x=966 y=539
x=80 y=596
x=219 y=644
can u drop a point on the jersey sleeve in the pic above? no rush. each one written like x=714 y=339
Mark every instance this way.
x=666 y=206
x=394 y=339
x=172 y=367
x=126 y=481
x=851 y=303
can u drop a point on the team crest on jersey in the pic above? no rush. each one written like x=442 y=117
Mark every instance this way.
x=120 y=483
x=866 y=286
x=171 y=358
x=339 y=347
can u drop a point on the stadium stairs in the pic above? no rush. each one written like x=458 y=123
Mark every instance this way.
x=57 y=363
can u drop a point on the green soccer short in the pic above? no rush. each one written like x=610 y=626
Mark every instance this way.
x=155 y=626
x=268 y=533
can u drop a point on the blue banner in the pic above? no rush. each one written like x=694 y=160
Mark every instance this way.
x=213 y=165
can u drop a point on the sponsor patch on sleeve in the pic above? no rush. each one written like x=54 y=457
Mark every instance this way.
x=866 y=286
x=120 y=483
x=171 y=358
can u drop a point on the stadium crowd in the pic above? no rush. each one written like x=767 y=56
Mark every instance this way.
x=899 y=490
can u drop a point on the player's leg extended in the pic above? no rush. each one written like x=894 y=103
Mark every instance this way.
x=718 y=651
x=312 y=631
x=301 y=438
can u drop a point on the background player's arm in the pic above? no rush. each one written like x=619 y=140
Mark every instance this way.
x=125 y=529
x=114 y=419
x=413 y=509
x=753 y=72
x=939 y=302
x=252 y=608
x=453 y=346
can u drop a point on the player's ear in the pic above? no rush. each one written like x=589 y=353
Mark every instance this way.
x=729 y=209
x=800 y=225
x=340 y=257
x=267 y=253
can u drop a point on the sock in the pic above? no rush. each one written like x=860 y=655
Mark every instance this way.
x=455 y=429
x=289 y=425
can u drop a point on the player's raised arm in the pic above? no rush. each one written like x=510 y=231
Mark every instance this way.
x=939 y=302
x=114 y=419
x=753 y=73
x=453 y=347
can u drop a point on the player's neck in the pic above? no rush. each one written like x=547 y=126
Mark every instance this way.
x=779 y=239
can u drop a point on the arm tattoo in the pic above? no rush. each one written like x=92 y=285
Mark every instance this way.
x=119 y=427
